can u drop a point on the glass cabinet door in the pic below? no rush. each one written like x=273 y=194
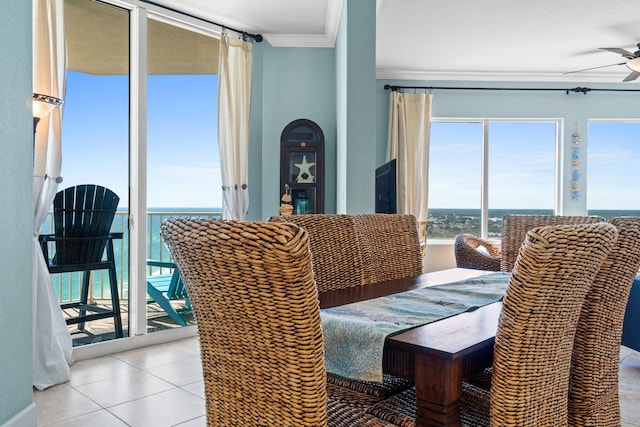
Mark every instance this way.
x=302 y=166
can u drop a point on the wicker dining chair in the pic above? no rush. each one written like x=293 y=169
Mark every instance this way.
x=335 y=249
x=390 y=249
x=593 y=396
x=466 y=248
x=532 y=353
x=336 y=253
x=390 y=246
x=515 y=227
x=256 y=306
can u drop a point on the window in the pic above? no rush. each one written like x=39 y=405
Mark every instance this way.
x=455 y=179
x=612 y=164
x=183 y=170
x=481 y=170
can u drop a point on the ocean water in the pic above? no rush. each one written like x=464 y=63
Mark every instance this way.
x=67 y=285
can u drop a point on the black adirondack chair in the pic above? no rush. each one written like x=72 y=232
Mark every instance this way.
x=82 y=217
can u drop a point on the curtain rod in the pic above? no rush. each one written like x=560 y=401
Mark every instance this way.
x=257 y=37
x=582 y=90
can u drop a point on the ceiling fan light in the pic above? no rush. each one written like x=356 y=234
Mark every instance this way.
x=634 y=64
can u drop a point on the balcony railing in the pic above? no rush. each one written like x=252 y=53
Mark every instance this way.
x=67 y=285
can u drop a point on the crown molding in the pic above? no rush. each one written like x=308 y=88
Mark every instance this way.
x=499 y=76
x=328 y=39
x=299 y=40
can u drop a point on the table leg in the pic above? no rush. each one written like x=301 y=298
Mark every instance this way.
x=438 y=391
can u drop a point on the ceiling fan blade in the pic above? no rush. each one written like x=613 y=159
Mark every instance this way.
x=622 y=52
x=593 y=68
x=634 y=75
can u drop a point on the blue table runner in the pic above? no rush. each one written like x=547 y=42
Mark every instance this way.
x=354 y=334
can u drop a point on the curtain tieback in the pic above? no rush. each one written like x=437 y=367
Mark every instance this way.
x=234 y=187
x=57 y=179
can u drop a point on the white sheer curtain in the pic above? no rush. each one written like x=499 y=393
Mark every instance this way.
x=52 y=352
x=234 y=117
x=408 y=143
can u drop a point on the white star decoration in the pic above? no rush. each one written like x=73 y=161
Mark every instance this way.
x=305 y=174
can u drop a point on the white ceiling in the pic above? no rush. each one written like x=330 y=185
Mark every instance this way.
x=519 y=40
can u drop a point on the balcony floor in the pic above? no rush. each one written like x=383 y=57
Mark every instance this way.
x=103 y=329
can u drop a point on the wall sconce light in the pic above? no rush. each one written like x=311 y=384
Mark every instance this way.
x=42 y=106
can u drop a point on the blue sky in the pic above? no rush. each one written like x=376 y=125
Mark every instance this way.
x=183 y=165
x=522 y=162
x=521 y=165
x=614 y=165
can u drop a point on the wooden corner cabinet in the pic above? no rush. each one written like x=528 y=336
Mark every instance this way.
x=302 y=166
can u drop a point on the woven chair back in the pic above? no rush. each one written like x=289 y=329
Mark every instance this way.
x=256 y=306
x=532 y=354
x=335 y=249
x=390 y=246
x=593 y=397
x=515 y=227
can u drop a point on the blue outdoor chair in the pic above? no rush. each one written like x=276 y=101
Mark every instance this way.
x=164 y=288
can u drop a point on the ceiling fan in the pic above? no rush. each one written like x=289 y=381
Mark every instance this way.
x=632 y=62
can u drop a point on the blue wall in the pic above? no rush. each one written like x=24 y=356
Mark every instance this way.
x=297 y=83
x=356 y=49
x=334 y=87
x=16 y=178
x=255 y=139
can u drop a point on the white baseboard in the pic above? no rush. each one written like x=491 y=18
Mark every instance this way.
x=25 y=418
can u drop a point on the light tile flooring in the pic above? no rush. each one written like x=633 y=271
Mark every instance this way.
x=154 y=386
x=162 y=386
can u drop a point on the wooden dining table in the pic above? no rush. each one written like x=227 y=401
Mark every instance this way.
x=436 y=356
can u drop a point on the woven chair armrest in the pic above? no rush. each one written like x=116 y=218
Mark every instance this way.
x=475 y=242
x=468 y=256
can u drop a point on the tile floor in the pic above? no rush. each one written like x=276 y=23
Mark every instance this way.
x=162 y=386
x=154 y=386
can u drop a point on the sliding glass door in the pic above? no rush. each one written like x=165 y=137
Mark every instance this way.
x=95 y=141
x=183 y=171
x=140 y=118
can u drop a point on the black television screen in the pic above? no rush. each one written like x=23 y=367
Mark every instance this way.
x=386 y=188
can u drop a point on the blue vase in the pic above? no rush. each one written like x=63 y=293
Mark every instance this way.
x=302 y=205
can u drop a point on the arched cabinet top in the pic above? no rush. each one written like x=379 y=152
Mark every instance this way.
x=302 y=130
x=302 y=166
